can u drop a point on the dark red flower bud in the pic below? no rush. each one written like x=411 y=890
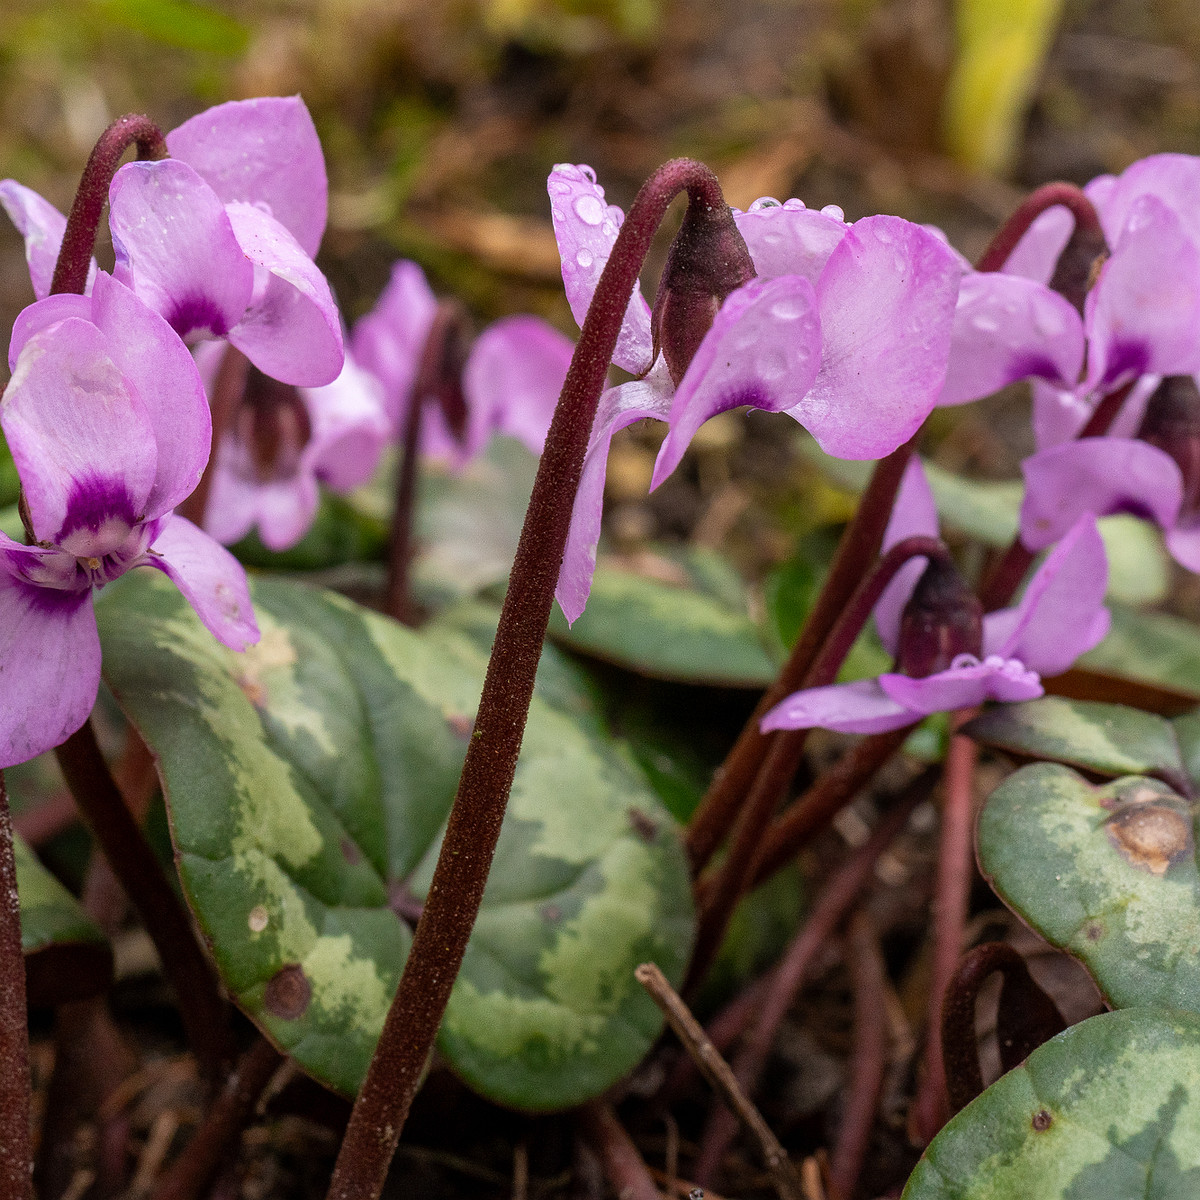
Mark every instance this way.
x=942 y=619
x=1079 y=264
x=440 y=375
x=1172 y=423
x=708 y=260
x=272 y=421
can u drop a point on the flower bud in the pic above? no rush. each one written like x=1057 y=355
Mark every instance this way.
x=272 y=422
x=708 y=260
x=1079 y=265
x=942 y=619
x=440 y=375
x=1172 y=423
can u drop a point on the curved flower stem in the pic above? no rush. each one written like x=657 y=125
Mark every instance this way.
x=398 y=601
x=75 y=257
x=951 y=895
x=188 y=970
x=784 y=754
x=835 y=901
x=16 y=1147
x=1049 y=195
x=856 y=551
x=466 y=855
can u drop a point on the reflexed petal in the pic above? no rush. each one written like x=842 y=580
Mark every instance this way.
x=964 y=687
x=261 y=151
x=860 y=707
x=292 y=331
x=41 y=314
x=150 y=355
x=1100 y=476
x=886 y=300
x=349 y=428
x=1061 y=614
x=1184 y=545
x=81 y=439
x=914 y=514
x=512 y=381
x=42 y=226
x=1008 y=328
x=763 y=350
x=390 y=339
x=211 y=579
x=619 y=407
x=282 y=509
x=1143 y=315
x=232 y=507
x=176 y=249
x=49 y=660
x=788 y=240
x=1036 y=254
x=586 y=228
x=1172 y=178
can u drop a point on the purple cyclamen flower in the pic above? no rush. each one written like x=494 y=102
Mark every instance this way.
x=1060 y=616
x=510 y=382
x=282 y=442
x=846 y=328
x=107 y=422
x=219 y=238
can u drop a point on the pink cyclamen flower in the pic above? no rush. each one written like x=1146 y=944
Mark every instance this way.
x=108 y=425
x=1060 y=616
x=846 y=328
x=282 y=443
x=511 y=379
x=219 y=238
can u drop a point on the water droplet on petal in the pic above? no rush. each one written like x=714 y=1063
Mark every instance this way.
x=772 y=365
x=789 y=308
x=765 y=202
x=985 y=322
x=773 y=237
x=835 y=211
x=589 y=210
x=584 y=258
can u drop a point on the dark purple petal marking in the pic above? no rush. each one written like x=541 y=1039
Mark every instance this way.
x=192 y=313
x=94 y=501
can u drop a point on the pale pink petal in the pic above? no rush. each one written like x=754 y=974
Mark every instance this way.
x=886 y=301
x=788 y=239
x=860 y=707
x=390 y=339
x=262 y=151
x=913 y=515
x=1172 y=178
x=42 y=226
x=41 y=314
x=1143 y=315
x=585 y=227
x=963 y=686
x=763 y=350
x=80 y=437
x=1183 y=542
x=176 y=249
x=1036 y=254
x=1008 y=328
x=232 y=507
x=212 y=581
x=619 y=407
x=1099 y=476
x=349 y=428
x=292 y=330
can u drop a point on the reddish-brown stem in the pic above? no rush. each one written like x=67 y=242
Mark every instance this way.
x=784 y=754
x=1068 y=195
x=229 y=387
x=857 y=549
x=869 y=1060
x=197 y=1166
x=829 y=794
x=951 y=894
x=75 y=257
x=466 y=855
x=623 y=1165
x=16 y=1147
x=836 y=899
x=202 y=1007
x=399 y=602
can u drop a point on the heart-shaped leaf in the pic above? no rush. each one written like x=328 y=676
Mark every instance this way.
x=1107 y=1110
x=308 y=782
x=67 y=957
x=1110 y=739
x=1108 y=873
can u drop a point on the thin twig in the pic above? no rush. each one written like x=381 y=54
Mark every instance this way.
x=624 y=1166
x=718 y=1073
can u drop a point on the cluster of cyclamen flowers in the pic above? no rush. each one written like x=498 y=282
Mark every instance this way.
x=857 y=331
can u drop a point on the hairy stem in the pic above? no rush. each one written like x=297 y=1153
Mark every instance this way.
x=16 y=1147
x=399 y=602
x=1037 y=202
x=857 y=549
x=75 y=257
x=465 y=858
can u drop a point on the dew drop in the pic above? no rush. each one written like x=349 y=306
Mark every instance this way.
x=772 y=365
x=789 y=308
x=589 y=210
x=794 y=204
x=772 y=237
x=258 y=919
x=985 y=323
x=1048 y=322
x=835 y=211
x=765 y=202
x=556 y=212
x=584 y=258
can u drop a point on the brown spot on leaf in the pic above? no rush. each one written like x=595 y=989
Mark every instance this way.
x=1094 y=931
x=288 y=993
x=1151 y=836
x=643 y=826
x=1042 y=1121
x=461 y=726
x=551 y=914
x=350 y=852
x=252 y=690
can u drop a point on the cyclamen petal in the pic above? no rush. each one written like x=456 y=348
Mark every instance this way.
x=861 y=707
x=789 y=239
x=1036 y=254
x=585 y=227
x=1174 y=179
x=350 y=428
x=42 y=226
x=964 y=686
x=913 y=515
